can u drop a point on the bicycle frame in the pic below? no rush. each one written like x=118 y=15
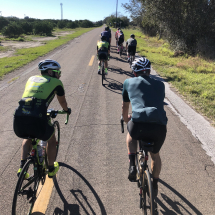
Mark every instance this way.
x=143 y=176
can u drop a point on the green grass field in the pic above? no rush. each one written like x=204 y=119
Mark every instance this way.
x=26 y=55
x=193 y=77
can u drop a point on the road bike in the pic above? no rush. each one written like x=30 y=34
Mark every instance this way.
x=33 y=174
x=120 y=49
x=132 y=57
x=143 y=177
x=103 y=71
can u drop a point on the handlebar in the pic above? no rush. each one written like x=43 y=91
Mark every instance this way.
x=122 y=124
x=53 y=113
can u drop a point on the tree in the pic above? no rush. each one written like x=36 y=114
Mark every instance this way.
x=3 y=22
x=12 y=30
x=43 y=28
x=27 y=27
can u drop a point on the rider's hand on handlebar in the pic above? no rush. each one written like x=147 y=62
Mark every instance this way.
x=68 y=111
x=129 y=118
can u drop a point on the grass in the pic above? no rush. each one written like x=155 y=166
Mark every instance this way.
x=193 y=77
x=26 y=55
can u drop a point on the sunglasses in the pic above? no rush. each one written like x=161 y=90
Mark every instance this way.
x=57 y=71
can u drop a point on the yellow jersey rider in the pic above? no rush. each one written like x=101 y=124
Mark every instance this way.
x=30 y=118
x=103 y=53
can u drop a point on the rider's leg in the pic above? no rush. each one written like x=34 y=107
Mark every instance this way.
x=155 y=164
x=156 y=169
x=26 y=148
x=99 y=67
x=51 y=153
x=51 y=150
x=106 y=66
x=132 y=149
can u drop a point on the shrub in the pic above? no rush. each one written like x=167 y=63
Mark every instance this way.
x=12 y=30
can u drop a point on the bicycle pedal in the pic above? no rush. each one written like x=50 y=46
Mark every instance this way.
x=133 y=180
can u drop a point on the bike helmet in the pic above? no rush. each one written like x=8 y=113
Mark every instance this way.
x=106 y=28
x=118 y=29
x=103 y=38
x=141 y=64
x=132 y=36
x=48 y=64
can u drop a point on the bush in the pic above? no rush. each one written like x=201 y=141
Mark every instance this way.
x=43 y=28
x=71 y=25
x=61 y=24
x=27 y=27
x=3 y=22
x=12 y=30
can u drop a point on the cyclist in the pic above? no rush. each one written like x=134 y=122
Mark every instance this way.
x=107 y=34
x=109 y=30
x=116 y=36
x=103 y=53
x=131 y=45
x=30 y=119
x=148 y=119
x=120 y=39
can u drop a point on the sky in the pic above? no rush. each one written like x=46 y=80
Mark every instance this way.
x=93 y=10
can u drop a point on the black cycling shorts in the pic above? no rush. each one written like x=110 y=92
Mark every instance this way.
x=131 y=50
x=31 y=127
x=120 y=42
x=148 y=132
x=102 y=55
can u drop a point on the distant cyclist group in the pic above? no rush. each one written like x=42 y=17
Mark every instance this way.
x=146 y=95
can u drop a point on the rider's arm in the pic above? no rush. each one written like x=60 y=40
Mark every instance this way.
x=125 y=108
x=125 y=102
x=62 y=101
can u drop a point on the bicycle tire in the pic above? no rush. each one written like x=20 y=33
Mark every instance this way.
x=26 y=190
x=57 y=135
x=148 y=195
x=103 y=73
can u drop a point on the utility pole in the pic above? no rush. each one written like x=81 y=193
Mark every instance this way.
x=116 y=11
x=61 y=11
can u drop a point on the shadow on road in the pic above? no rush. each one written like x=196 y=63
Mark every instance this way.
x=175 y=205
x=120 y=71
x=113 y=85
x=79 y=196
x=122 y=58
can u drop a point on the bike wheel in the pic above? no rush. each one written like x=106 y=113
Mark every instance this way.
x=147 y=195
x=103 y=73
x=57 y=135
x=26 y=193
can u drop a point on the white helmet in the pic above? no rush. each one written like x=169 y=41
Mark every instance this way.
x=141 y=64
x=48 y=64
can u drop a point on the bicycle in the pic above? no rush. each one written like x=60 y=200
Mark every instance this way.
x=143 y=177
x=103 y=71
x=120 y=49
x=132 y=57
x=34 y=172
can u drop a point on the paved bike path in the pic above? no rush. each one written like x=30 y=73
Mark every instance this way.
x=93 y=175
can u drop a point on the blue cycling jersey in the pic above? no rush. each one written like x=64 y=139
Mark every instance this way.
x=146 y=96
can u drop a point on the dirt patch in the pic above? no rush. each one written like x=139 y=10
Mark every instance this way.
x=12 y=46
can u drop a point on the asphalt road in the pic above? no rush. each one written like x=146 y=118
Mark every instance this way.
x=94 y=163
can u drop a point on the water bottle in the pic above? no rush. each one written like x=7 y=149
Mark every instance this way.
x=40 y=153
x=43 y=145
